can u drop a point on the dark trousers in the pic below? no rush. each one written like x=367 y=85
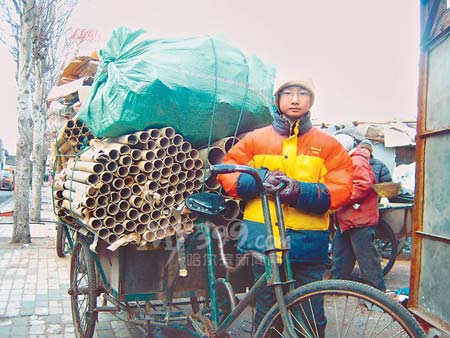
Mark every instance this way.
x=303 y=273
x=357 y=245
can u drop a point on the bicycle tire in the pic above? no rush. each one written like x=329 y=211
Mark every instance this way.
x=83 y=294
x=60 y=240
x=372 y=313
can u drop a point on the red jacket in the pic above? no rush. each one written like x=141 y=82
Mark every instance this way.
x=362 y=208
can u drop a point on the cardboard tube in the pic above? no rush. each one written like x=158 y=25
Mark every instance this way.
x=122 y=149
x=123 y=206
x=142 y=136
x=188 y=186
x=151 y=144
x=163 y=222
x=146 y=207
x=155 y=215
x=194 y=154
x=112 y=209
x=188 y=164
x=125 y=193
x=134 y=170
x=104 y=233
x=129 y=225
x=129 y=139
x=154 y=175
x=165 y=172
x=162 y=142
x=180 y=157
x=102 y=200
x=104 y=189
x=170 y=231
x=182 y=176
x=128 y=181
x=94 y=155
x=185 y=147
x=109 y=222
x=136 y=154
x=173 y=179
x=123 y=171
x=149 y=236
x=136 y=189
x=171 y=150
x=153 y=225
x=168 y=132
x=136 y=201
x=154 y=133
x=232 y=209
x=198 y=164
x=144 y=218
x=99 y=213
x=160 y=234
x=158 y=164
x=111 y=166
x=189 y=227
x=91 y=167
x=148 y=155
x=140 y=179
x=177 y=140
x=84 y=177
x=112 y=238
x=151 y=186
x=119 y=229
x=132 y=214
x=94 y=223
x=120 y=217
x=145 y=166
x=140 y=228
x=114 y=197
x=199 y=174
x=178 y=198
x=125 y=160
x=118 y=183
x=233 y=228
x=168 y=200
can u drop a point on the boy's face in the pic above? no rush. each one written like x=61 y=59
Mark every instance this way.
x=294 y=102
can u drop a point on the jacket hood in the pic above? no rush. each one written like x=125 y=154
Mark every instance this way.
x=283 y=127
x=363 y=152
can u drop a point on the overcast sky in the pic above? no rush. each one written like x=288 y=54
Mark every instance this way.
x=361 y=55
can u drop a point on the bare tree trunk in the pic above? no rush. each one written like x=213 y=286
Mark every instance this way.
x=38 y=143
x=21 y=230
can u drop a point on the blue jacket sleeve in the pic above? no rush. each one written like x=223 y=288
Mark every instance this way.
x=313 y=198
x=246 y=185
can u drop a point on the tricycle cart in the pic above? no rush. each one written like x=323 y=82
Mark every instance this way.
x=163 y=285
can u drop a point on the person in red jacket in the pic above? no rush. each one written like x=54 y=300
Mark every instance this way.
x=317 y=172
x=354 y=238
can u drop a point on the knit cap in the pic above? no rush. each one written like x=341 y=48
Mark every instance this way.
x=297 y=83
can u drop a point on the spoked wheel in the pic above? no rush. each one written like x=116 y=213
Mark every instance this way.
x=82 y=290
x=386 y=244
x=351 y=309
x=63 y=246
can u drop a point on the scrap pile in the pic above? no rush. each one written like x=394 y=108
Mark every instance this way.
x=132 y=188
x=147 y=130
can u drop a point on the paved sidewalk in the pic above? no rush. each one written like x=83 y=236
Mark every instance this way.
x=34 y=302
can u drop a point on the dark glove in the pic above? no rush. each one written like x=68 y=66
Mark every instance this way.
x=272 y=180
x=290 y=193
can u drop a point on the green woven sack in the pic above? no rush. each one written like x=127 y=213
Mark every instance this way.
x=198 y=85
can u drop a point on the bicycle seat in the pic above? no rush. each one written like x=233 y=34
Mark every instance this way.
x=206 y=203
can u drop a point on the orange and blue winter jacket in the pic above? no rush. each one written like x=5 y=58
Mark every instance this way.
x=316 y=160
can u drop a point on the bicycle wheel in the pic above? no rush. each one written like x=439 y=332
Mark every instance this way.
x=351 y=310
x=386 y=244
x=60 y=240
x=83 y=295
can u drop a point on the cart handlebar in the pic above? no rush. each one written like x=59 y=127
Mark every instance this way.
x=232 y=168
